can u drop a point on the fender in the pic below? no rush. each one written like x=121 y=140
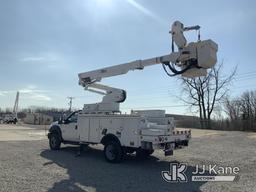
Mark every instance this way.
x=55 y=129
x=109 y=137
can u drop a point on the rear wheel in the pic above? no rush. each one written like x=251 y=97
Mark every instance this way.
x=54 y=141
x=113 y=152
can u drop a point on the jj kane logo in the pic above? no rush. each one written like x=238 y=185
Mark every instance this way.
x=177 y=173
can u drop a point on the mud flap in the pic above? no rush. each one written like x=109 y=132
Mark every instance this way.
x=168 y=149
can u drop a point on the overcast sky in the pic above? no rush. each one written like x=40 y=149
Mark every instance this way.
x=45 y=44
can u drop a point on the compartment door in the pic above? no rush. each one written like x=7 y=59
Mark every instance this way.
x=84 y=127
x=94 y=130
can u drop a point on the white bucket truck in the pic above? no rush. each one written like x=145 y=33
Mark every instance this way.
x=141 y=131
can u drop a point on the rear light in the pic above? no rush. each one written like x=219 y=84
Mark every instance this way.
x=185 y=132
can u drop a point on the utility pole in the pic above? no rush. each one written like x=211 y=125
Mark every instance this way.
x=70 y=102
x=16 y=105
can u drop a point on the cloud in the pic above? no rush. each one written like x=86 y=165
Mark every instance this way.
x=41 y=57
x=4 y=93
x=50 y=60
x=39 y=97
x=30 y=92
x=28 y=59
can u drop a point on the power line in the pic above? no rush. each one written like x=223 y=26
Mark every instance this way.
x=162 y=90
x=166 y=106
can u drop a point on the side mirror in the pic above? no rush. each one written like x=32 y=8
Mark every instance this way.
x=66 y=121
x=60 y=121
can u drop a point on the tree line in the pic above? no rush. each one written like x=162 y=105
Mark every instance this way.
x=56 y=113
x=241 y=111
x=208 y=96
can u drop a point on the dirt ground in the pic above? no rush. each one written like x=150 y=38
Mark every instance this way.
x=27 y=164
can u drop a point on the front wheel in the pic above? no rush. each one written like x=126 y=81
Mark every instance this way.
x=113 y=152
x=54 y=141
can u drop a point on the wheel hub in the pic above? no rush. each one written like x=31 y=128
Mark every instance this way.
x=110 y=152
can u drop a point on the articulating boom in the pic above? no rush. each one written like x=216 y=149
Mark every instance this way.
x=192 y=59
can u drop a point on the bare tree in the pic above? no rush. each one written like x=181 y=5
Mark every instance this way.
x=248 y=104
x=248 y=109
x=242 y=111
x=203 y=93
x=232 y=108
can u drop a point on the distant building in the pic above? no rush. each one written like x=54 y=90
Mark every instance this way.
x=37 y=119
x=54 y=114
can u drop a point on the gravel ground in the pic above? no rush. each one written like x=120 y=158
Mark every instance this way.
x=27 y=165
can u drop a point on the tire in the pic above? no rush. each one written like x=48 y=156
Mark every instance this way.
x=113 y=152
x=143 y=154
x=54 y=141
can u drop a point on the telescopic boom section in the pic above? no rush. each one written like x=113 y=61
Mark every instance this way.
x=90 y=77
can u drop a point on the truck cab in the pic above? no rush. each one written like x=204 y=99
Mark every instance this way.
x=10 y=119
x=69 y=127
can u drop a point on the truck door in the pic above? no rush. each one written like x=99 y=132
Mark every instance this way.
x=69 y=128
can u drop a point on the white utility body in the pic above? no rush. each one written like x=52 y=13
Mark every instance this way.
x=141 y=131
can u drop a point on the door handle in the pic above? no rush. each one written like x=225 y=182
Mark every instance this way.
x=76 y=127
